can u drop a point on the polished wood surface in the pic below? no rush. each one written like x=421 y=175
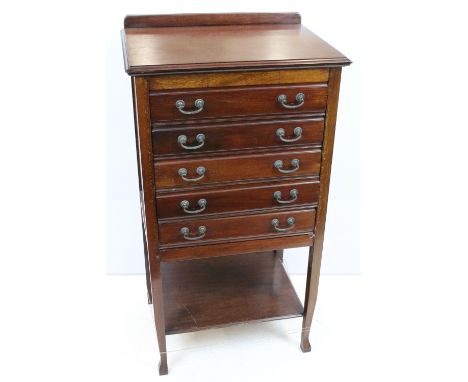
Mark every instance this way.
x=216 y=80
x=175 y=47
x=236 y=136
x=207 y=19
x=233 y=101
x=243 y=226
x=238 y=64
x=223 y=291
x=238 y=167
x=221 y=200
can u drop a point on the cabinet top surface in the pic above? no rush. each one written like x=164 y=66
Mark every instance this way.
x=178 y=43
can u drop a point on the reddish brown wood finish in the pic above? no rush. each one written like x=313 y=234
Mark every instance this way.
x=238 y=64
x=315 y=252
x=232 y=168
x=237 y=136
x=237 y=198
x=236 y=246
x=223 y=291
x=228 y=228
x=210 y=19
x=183 y=48
x=237 y=78
x=232 y=101
x=145 y=156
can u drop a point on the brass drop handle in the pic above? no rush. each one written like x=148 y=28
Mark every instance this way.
x=293 y=193
x=289 y=221
x=185 y=231
x=185 y=205
x=200 y=171
x=182 y=141
x=283 y=101
x=199 y=103
x=297 y=133
x=279 y=166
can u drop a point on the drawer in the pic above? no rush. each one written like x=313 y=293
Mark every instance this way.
x=194 y=172
x=237 y=136
x=224 y=79
x=237 y=101
x=235 y=246
x=197 y=231
x=238 y=198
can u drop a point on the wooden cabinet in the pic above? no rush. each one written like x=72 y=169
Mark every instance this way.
x=234 y=121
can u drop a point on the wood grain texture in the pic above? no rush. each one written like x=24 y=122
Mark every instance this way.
x=235 y=227
x=145 y=153
x=232 y=101
x=209 y=19
x=236 y=136
x=235 y=247
x=223 y=79
x=315 y=252
x=236 y=167
x=237 y=199
x=238 y=64
x=222 y=291
x=266 y=46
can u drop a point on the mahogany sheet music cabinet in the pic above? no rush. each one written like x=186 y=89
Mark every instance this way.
x=234 y=121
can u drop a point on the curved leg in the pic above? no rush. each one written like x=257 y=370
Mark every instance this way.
x=313 y=273
x=163 y=364
x=305 y=344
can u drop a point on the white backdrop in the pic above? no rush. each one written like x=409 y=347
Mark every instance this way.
x=408 y=321
x=124 y=237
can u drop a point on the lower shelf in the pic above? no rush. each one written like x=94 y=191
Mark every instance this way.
x=222 y=291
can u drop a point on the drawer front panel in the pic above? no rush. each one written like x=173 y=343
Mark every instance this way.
x=194 y=172
x=258 y=77
x=233 y=199
x=231 y=102
x=236 y=136
x=233 y=247
x=222 y=229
